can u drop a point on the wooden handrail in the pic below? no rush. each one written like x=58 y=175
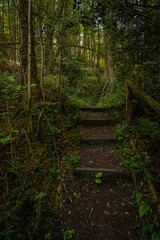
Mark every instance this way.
x=151 y=102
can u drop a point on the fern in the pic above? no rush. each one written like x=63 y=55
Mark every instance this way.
x=150 y=128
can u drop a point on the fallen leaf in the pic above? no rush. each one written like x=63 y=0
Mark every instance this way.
x=95 y=191
x=106 y=212
x=127 y=213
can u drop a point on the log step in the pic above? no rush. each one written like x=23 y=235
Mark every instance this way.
x=92 y=171
x=97 y=122
x=94 y=109
x=97 y=141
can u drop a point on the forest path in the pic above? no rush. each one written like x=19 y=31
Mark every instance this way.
x=104 y=210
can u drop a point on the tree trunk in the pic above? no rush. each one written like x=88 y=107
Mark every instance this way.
x=98 y=51
x=105 y=57
x=23 y=16
x=29 y=94
x=84 y=44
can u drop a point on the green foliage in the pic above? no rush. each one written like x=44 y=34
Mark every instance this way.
x=47 y=236
x=138 y=162
x=5 y=140
x=133 y=162
x=143 y=206
x=55 y=174
x=113 y=97
x=124 y=131
x=10 y=90
x=150 y=232
x=144 y=209
x=72 y=160
x=75 y=195
x=73 y=70
x=33 y=178
x=98 y=177
x=79 y=83
x=121 y=132
x=150 y=128
x=67 y=234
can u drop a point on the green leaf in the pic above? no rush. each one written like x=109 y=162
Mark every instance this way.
x=41 y=195
x=134 y=101
x=98 y=175
x=16 y=131
x=4 y=140
x=97 y=180
x=10 y=78
x=144 y=209
x=138 y=66
x=31 y=85
x=75 y=194
x=139 y=196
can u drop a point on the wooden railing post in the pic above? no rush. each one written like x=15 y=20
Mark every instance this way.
x=129 y=105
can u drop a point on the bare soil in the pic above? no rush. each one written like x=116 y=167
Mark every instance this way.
x=99 y=115
x=99 y=211
x=96 y=132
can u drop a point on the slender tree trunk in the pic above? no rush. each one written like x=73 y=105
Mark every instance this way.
x=42 y=65
x=14 y=33
x=106 y=57
x=84 y=44
x=23 y=16
x=98 y=51
x=60 y=71
x=94 y=52
x=79 y=41
x=29 y=94
x=10 y=30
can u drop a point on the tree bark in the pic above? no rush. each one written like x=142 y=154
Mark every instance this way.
x=23 y=17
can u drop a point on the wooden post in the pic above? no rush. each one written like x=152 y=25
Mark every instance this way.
x=129 y=105
x=149 y=100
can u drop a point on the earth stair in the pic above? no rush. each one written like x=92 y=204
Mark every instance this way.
x=100 y=211
x=96 y=129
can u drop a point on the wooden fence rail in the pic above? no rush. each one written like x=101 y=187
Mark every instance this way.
x=130 y=87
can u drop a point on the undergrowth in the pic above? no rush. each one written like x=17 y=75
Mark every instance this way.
x=78 y=82
x=114 y=96
x=33 y=165
x=135 y=143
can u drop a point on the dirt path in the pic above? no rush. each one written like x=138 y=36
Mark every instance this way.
x=100 y=211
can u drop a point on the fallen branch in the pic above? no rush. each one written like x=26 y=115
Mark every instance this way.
x=90 y=214
x=65 y=189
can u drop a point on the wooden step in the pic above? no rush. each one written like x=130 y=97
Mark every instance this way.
x=97 y=122
x=94 y=109
x=106 y=172
x=99 y=141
